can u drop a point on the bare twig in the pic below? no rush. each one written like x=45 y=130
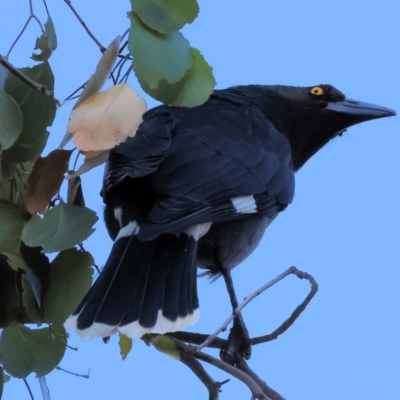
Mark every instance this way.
x=82 y=22
x=74 y=373
x=295 y=314
x=18 y=37
x=71 y=96
x=45 y=6
x=247 y=300
x=256 y=391
x=197 y=338
x=39 y=88
x=243 y=366
x=212 y=386
x=29 y=389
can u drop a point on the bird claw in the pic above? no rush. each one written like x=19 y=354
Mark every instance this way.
x=237 y=344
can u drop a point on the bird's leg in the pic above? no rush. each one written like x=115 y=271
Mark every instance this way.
x=238 y=339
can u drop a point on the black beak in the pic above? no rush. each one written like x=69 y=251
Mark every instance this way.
x=360 y=111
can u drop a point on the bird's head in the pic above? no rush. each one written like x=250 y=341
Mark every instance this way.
x=311 y=116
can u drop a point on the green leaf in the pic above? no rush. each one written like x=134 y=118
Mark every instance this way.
x=32 y=311
x=25 y=350
x=38 y=113
x=61 y=228
x=125 y=345
x=166 y=16
x=37 y=275
x=46 y=43
x=10 y=121
x=70 y=280
x=194 y=89
x=1 y=382
x=11 y=225
x=157 y=56
x=6 y=378
x=9 y=301
x=3 y=76
x=166 y=345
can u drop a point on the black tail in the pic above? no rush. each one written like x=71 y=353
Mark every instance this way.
x=145 y=286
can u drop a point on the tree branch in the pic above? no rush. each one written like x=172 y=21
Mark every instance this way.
x=296 y=313
x=248 y=299
x=243 y=366
x=82 y=22
x=256 y=391
x=211 y=385
x=34 y=85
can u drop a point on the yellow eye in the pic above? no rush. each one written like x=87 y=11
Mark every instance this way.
x=317 y=91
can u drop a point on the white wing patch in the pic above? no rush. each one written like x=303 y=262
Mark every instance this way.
x=244 y=204
x=127 y=230
x=197 y=231
x=118 y=215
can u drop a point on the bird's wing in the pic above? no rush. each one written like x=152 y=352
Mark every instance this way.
x=210 y=163
x=140 y=155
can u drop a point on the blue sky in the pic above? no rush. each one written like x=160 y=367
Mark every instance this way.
x=343 y=227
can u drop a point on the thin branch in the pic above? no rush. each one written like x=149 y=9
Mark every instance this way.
x=244 y=303
x=18 y=37
x=45 y=6
x=74 y=373
x=256 y=391
x=82 y=22
x=126 y=75
x=212 y=386
x=29 y=389
x=197 y=338
x=71 y=96
x=243 y=366
x=34 y=85
x=33 y=16
x=295 y=314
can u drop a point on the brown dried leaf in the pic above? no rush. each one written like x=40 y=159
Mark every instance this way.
x=45 y=180
x=106 y=119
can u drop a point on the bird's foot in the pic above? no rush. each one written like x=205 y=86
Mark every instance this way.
x=238 y=343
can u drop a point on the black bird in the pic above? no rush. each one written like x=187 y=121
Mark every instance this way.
x=196 y=187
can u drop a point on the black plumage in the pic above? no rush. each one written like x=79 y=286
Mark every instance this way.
x=197 y=187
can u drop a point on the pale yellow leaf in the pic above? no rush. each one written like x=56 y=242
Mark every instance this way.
x=106 y=119
x=90 y=163
x=125 y=345
x=97 y=80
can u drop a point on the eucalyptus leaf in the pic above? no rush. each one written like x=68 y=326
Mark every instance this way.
x=27 y=350
x=70 y=279
x=11 y=224
x=47 y=42
x=166 y=16
x=157 y=56
x=38 y=113
x=10 y=121
x=9 y=301
x=125 y=345
x=62 y=227
x=97 y=80
x=194 y=89
x=166 y=345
